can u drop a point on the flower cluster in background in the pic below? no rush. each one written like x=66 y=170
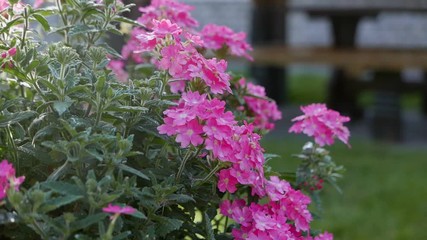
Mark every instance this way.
x=321 y=123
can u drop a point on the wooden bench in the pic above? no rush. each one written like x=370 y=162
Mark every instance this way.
x=385 y=64
x=352 y=60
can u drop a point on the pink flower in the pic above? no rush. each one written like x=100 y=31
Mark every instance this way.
x=9 y=53
x=321 y=123
x=8 y=178
x=164 y=27
x=276 y=188
x=4 y=4
x=216 y=37
x=118 y=209
x=190 y=133
x=38 y=3
x=117 y=66
x=226 y=182
x=295 y=205
x=263 y=110
x=170 y=9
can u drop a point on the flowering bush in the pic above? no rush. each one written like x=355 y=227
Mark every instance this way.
x=161 y=138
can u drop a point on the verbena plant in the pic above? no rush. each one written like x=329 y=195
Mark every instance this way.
x=158 y=142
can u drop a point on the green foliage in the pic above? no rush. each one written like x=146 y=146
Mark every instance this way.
x=83 y=139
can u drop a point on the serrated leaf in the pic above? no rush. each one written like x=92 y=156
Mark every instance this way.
x=61 y=106
x=166 y=225
x=87 y=221
x=133 y=171
x=7 y=120
x=42 y=20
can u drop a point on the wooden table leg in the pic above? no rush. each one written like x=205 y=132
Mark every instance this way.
x=268 y=27
x=342 y=93
x=387 y=119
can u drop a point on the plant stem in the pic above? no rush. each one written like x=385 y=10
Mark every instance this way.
x=64 y=19
x=109 y=234
x=182 y=166
x=14 y=152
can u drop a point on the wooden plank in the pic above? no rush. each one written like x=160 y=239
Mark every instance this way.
x=348 y=59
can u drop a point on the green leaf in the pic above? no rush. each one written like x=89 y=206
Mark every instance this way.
x=87 y=221
x=32 y=65
x=180 y=198
x=133 y=171
x=61 y=106
x=81 y=29
x=13 y=118
x=14 y=22
x=50 y=86
x=139 y=215
x=110 y=50
x=208 y=226
x=166 y=225
x=112 y=29
x=122 y=235
x=126 y=109
x=127 y=20
x=59 y=202
x=63 y=188
x=15 y=72
x=42 y=20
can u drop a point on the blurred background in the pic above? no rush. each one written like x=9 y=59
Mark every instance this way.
x=366 y=59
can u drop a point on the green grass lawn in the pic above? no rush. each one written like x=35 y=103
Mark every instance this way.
x=384 y=189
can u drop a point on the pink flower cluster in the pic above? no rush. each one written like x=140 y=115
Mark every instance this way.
x=216 y=37
x=211 y=37
x=321 y=123
x=263 y=110
x=204 y=123
x=8 y=178
x=270 y=220
x=175 y=52
x=199 y=121
x=177 y=12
